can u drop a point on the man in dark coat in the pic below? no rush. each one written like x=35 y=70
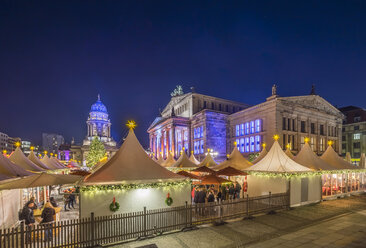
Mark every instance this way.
x=237 y=190
x=231 y=192
x=28 y=217
x=47 y=219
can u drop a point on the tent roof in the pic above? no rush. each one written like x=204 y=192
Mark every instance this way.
x=260 y=156
x=289 y=154
x=208 y=161
x=230 y=171
x=193 y=159
x=160 y=159
x=184 y=162
x=277 y=161
x=50 y=163
x=169 y=161
x=18 y=157
x=213 y=179
x=308 y=158
x=9 y=169
x=38 y=180
x=204 y=169
x=187 y=174
x=59 y=164
x=332 y=158
x=235 y=160
x=130 y=164
x=32 y=157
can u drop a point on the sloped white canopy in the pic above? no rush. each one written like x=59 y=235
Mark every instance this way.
x=208 y=161
x=348 y=157
x=235 y=160
x=169 y=161
x=363 y=161
x=277 y=161
x=51 y=164
x=332 y=158
x=184 y=162
x=308 y=158
x=289 y=153
x=260 y=156
x=18 y=157
x=193 y=159
x=58 y=163
x=130 y=164
x=3 y=177
x=32 y=157
x=160 y=159
x=38 y=180
x=9 y=169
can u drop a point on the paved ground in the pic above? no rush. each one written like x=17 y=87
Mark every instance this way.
x=337 y=223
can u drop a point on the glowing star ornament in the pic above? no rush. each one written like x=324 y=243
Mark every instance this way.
x=45 y=152
x=17 y=144
x=306 y=140
x=288 y=146
x=131 y=124
x=235 y=143
x=31 y=148
x=4 y=152
x=330 y=143
x=264 y=145
x=276 y=137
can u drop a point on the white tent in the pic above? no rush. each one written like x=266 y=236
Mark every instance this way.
x=348 y=157
x=160 y=159
x=308 y=158
x=132 y=166
x=58 y=163
x=208 y=161
x=169 y=161
x=193 y=159
x=9 y=169
x=289 y=153
x=18 y=157
x=363 y=161
x=32 y=157
x=235 y=160
x=332 y=158
x=184 y=162
x=261 y=155
x=50 y=163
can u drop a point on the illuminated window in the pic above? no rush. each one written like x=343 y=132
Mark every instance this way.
x=257 y=143
x=246 y=144
x=257 y=126
x=356 y=136
x=241 y=129
x=201 y=131
x=237 y=143
x=202 y=150
x=247 y=128
x=252 y=144
x=237 y=130
x=252 y=127
x=241 y=145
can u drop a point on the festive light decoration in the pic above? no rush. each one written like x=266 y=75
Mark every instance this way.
x=45 y=152
x=17 y=144
x=288 y=146
x=131 y=124
x=31 y=148
x=168 y=200
x=330 y=143
x=114 y=206
x=306 y=139
x=4 y=152
x=94 y=188
x=264 y=145
x=235 y=143
x=96 y=152
x=276 y=137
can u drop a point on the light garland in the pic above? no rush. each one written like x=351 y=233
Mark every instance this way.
x=304 y=174
x=133 y=186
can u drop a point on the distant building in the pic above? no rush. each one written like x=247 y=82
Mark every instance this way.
x=12 y=143
x=199 y=122
x=25 y=145
x=51 y=142
x=354 y=132
x=4 y=142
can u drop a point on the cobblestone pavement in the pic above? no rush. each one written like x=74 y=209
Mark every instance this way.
x=336 y=223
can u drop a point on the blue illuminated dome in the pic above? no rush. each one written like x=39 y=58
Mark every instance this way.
x=98 y=106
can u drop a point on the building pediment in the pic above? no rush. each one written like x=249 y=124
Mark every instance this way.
x=314 y=102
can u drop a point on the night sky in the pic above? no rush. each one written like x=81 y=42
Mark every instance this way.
x=56 y=56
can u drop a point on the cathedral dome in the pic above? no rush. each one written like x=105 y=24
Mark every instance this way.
x=98 y=106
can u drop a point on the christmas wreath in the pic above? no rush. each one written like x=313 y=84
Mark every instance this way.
x=114 y=206
x=168 y=200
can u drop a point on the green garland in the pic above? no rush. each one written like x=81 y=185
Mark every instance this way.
x=303 y=174
x=133 y=186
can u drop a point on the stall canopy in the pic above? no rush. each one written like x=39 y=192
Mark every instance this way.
x=308 y=158
x=4 y=177
x=59 y=164
x=208 y=161
x=277 y=161
x=235 y=160
x=51 y=164
x=9 y=169
x=160 y=159
x=18 y=157
x=261 y=155
x=289 y=153
x=212 y=179
x=230 y=171
x=169 y=161
x=363 y=161
x=193 y=159
x=32 y=157
x=38 y=180
x=348 y=157
x=184 y=162
x=332 y=158
x=204 y=169
x=189 y=175
x=131 y=164
x=73 y=164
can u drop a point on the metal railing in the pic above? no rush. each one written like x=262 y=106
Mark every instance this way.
x=103 y=230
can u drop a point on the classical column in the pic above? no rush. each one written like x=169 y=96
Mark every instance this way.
x=173 y=141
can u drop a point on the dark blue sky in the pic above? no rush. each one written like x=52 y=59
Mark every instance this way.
x=56 y=56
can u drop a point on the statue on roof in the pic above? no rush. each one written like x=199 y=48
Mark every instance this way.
x=173 y=113
x=178 y=91
x=274 y=90
x=312 y=92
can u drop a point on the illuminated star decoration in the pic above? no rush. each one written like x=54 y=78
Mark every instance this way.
x=288 y=146
x=45 y=152
x=17 y=144
x=330 y=143
x=131 y=124
x=32 y=148
x=306 y=139
x=264 y=145
x=276 y=137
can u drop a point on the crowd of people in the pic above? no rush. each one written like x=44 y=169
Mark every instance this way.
x=210 y=193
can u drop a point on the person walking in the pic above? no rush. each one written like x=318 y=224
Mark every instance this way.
x=28 y=217
x=71 y=200
x=231 y=192
x=66 y=201
x=53 y=202
x=237 y=190
x=47 y=216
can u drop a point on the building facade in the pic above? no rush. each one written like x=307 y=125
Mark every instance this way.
x=4 y=142
x=354 y=132
x=51 y=142
x=198 y=123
